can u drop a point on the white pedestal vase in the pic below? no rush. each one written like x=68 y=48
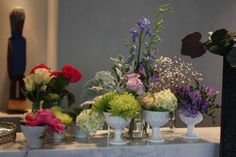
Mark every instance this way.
x=191 y=122
x=34 y=135
x=77 y=132
x=118 y=124
x=156 y=120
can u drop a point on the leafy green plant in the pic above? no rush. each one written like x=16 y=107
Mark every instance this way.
x=102 y=83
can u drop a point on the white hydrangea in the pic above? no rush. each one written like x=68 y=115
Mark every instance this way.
x=89 y=120
x=165 y=99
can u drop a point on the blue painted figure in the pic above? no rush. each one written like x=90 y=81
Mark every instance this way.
x=16 y=58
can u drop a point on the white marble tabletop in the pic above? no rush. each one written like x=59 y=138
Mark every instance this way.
x=174 y=146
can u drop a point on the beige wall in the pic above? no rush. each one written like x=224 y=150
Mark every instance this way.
x=35 y=32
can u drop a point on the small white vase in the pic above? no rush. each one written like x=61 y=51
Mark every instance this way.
x=77 y=132
x=56 y=137
x=33 y=135
x=156 y=120
x=118 y=123
x=191 y=122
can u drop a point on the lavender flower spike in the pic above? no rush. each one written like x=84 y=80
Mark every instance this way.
x=144 y=24
x=134 y=34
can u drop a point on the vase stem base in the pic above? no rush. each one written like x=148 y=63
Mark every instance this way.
x=116 y=142
x=191 y=137
x=154 y=140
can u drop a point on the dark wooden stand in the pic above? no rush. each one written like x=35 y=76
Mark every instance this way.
x=228 y=113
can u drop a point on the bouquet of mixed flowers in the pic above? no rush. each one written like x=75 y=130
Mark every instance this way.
x=198 y=98
x=136 y=73
x=142 y=73
x=36 y=84
x=42 y=85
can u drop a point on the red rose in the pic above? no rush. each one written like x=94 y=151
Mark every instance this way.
x=55 y=73
x=71 y=73
x=39 y=67
x=191 y=45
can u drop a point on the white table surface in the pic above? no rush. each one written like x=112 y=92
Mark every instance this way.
x=174 y=146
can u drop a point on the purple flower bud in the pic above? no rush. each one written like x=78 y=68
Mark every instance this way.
x=211 y=91
x=134 y=34
x=144 y=23
x=142 y=70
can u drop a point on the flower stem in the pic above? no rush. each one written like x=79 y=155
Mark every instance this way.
x=139 y=49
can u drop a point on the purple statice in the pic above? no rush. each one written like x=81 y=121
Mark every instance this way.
x=195 y=99
x=155 y=78
x=211 y=91
x=134 y=34
x=144 y=24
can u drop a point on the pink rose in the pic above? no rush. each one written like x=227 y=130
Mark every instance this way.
x=134 y=84
x=132 y=76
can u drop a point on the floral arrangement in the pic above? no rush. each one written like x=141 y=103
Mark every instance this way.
x=161 y=101
x=136 y=73
x=42 y=118
x=221 y=42
x=123 y=105
x=57 y=87
x=50 y=87
x=36 y=83
x=89 y=120
x=198 y=98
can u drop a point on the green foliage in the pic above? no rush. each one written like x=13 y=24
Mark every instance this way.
x=56 y=91
x=222 y=43
x=158 y=26
x=75 y=113
x=64 y=117
x=102 y=83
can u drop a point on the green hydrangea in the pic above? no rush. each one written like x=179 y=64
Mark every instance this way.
x=65 y=118
x=124 y=105
x=101 y=104
x=89 y=120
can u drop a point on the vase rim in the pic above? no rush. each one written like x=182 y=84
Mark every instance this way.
x=156 y=111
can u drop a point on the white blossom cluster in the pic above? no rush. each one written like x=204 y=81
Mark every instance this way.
x=175 y=72
x=40 y=77
x=165 y=99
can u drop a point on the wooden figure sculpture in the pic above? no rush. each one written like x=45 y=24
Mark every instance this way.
x=16 y=59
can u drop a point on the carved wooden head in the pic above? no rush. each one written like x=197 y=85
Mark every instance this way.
x=17 y=18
